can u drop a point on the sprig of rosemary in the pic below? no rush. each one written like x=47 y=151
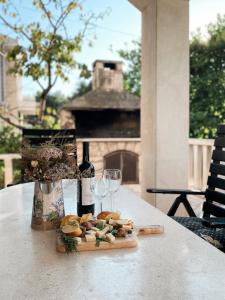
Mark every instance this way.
x=69 y=242
x=114 y=232
x=98 y=241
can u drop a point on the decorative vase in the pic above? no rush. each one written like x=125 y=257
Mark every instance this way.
x=48 y=205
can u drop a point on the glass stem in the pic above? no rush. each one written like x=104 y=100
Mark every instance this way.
x=101 y=206
x=112 y=201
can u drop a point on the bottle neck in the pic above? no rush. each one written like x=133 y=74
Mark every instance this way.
x=85 y=151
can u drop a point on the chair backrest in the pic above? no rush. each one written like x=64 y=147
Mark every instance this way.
x=36 y=137
x=215 y=192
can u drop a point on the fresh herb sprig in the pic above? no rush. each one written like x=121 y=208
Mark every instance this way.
x=69 y=242
x=114 y=232
x=98 y=241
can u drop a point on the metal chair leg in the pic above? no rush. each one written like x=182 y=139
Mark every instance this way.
x=174 y=206
x=188 y=207
x=181 y=199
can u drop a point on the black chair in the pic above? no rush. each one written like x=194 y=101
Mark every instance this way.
x=36 y=137
x=213 y=210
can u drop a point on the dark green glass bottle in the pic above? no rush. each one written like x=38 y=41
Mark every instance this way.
x=85 y=198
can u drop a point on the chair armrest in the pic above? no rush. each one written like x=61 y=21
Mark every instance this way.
x=217 y=222
x=175 y=191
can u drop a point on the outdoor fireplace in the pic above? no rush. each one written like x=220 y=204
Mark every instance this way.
x=109 y=118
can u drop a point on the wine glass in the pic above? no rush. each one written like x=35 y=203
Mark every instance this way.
x=114 y=178
x=100 y=189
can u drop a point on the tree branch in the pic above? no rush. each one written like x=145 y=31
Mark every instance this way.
x=39 y=83
x=63 y=24
x=15 y=28
x=62 y=17
x=47 y=14
x=11 y=123
x=49 y=75
x=54 y=81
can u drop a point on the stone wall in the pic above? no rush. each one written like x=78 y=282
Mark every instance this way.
x=101 y=147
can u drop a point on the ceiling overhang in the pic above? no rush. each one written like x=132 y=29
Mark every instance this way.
x=140 y=4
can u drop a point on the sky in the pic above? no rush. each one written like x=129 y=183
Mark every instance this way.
x=120 y=25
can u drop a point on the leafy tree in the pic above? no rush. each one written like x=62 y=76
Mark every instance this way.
x=207 y=78
x=82 y=89
x=132 y=77
x=207 y=81
x=54 y=100
x=10 y=141
x=46 y=51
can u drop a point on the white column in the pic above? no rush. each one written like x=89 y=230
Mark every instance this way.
x=165 y=96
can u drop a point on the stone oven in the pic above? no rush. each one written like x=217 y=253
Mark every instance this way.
x=106 y=111
x=109 y=118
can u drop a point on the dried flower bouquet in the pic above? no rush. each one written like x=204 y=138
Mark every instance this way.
x=48 y=162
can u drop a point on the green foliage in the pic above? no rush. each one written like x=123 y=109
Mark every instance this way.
x=55 y=100
x=50 y=119
x=46 y=52
x=1 y=175
x=48 y=46
x=10 y=140
x=132 y=77
x=69 y=242
x=207 y=81
x=82 y=89
x=207 y=78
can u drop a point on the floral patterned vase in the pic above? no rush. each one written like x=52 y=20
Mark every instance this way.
x=48 y=205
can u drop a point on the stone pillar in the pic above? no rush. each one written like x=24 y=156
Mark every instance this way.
x=165 y=97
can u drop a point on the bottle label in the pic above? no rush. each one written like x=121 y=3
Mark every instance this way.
x=87 y=197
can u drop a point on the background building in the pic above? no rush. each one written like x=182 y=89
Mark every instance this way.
x=109 y=118
x=13 y=105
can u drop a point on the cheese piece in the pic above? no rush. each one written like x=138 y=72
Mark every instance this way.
x=106 y=229
x=90 y=238
x=95 y=229
x=90 y=232
x=78 y=240
x=102 y=233
x=112 y=222
x=110 y=227
x=110 y=238
x=102 y=222
x=123 y=222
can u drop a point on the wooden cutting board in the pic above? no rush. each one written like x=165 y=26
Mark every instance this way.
x=128 y=242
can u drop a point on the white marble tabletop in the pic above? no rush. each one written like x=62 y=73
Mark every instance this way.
x=175 y=265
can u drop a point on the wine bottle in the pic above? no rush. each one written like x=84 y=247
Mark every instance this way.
x=85 y=199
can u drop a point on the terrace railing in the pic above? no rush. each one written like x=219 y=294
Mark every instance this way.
x=200 y=151
x=8 y=166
